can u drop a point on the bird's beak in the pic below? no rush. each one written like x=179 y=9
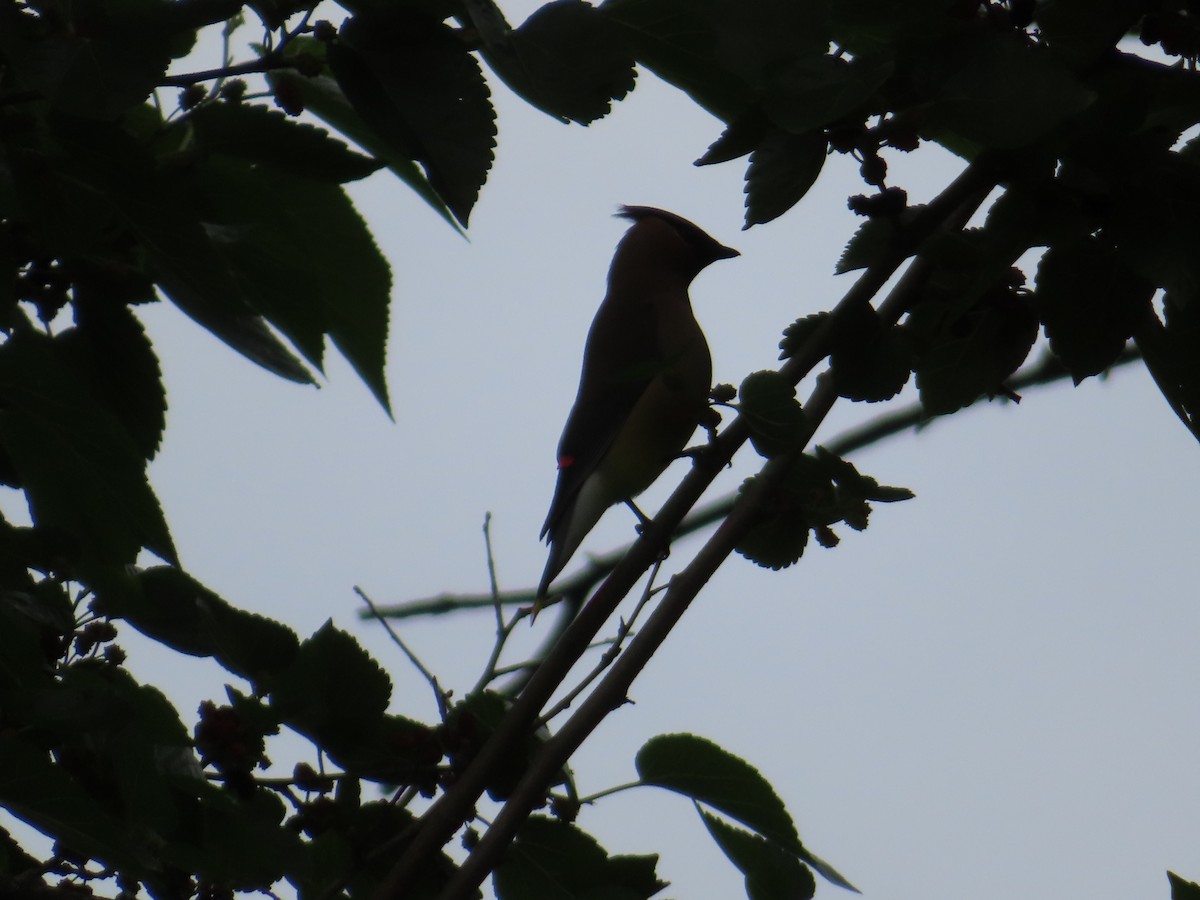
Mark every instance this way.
x=724 y=252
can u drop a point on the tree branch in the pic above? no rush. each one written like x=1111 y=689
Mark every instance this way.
x=451 y=810
x=952 y=208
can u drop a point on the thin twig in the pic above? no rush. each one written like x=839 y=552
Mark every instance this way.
x=266 y=64
x=624 y=629
x=438 y=694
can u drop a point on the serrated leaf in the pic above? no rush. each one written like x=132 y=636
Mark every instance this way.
x=100 y=60
x=771 y=873
x=551 y=860
x=782 y=169
x=245 y=844
x=41 y=793
x=718 y=52
x=333 y=691
x=798 y=334
x=263 y=136
x=567 y=60
x=1090 y=304
x=179 y=252
x=1170 y=353
x=175 y=609
x=768 y=403
x=812 y=92
x=305 y=259
x=415 y=83
x=869 y=362
x=739 y=138
x=985 y=103
x=325 y=99
x=964 y=354
x=81 y=470
x=702 y=771
x=114 y=354
x=868 y=245
x=779 y=534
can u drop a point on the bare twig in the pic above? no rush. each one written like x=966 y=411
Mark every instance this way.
x=438 y=693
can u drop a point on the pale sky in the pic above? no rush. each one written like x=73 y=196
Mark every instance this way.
x=989 y=693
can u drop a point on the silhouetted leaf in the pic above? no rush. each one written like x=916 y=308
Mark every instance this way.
x=768 y=403
x=699 y=769
x=771 y=873
x=266 y=137
x=82 y=471
x=986 y=104
x=423 y=93
x=566 y=59
x=1090 y=303
x=782 y=168
x=305 y=259
x=551 y=860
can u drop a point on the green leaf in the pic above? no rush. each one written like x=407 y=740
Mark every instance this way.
x=82 y=471
x=869 y=361
x=1080 y=31
x=243 y=843
x=779 y=535
x=334 y=691
x=266 y=137
x=551 y=860
x=869 y=26
x=739 y=138
x=414 y=82
x=963 y=351
x=814 y=92
x=768 y=403
x=771 y=873
x=719 y=52
x=868 y=245
x=875 y=369
x=167 y=604
x=23 y=648
x=1172 y=356
x=179 y=251
x=114 y=355
x=782 y=168
x=303 y=258
x=96 y=59
x=985 y=103
x=1090 y=303
x=702 y=771
x=566 y=59
x=797 y=335
x=42 y=794
x=323 y=98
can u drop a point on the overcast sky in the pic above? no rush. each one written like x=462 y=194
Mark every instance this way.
x=990 y=693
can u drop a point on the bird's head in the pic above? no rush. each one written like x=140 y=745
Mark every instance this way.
x=675 y=239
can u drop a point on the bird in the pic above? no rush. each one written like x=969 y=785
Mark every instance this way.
x=645 y=381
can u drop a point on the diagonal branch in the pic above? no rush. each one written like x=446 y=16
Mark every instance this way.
x=954 y=205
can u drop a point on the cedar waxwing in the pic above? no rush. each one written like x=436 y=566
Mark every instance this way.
x=646 y=378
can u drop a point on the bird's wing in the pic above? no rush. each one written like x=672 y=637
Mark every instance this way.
x=607 y=395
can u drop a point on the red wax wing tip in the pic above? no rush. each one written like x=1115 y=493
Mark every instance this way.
x=565 y=462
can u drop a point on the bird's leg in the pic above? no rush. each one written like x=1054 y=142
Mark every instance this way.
x=709 y=423
x=643 y=519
